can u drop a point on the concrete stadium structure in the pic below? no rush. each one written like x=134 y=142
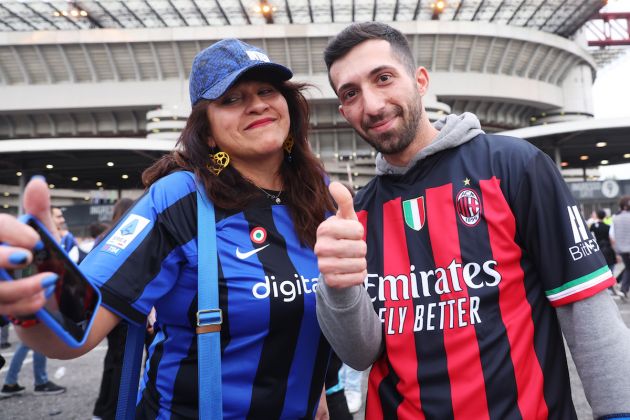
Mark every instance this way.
x=79 y=91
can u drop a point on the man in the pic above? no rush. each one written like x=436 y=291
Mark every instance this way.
x=620 y=234
x=68 y=242
x=475 y=251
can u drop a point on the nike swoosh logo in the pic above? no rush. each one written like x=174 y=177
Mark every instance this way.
x=243 y=255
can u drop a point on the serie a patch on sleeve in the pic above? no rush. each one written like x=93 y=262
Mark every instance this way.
x=127 y=231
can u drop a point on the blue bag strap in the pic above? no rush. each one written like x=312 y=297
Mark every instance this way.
x=209 y=316
x=130 y=376
x=209 y=319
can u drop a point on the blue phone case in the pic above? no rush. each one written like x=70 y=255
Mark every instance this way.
x=43 y=314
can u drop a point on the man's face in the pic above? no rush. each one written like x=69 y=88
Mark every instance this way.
x=379 y=98
x=58 y=218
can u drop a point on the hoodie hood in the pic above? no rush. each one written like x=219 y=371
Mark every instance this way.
x=454 y=130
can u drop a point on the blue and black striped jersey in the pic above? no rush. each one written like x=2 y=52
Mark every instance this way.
x=468 y=253
x=273 y=355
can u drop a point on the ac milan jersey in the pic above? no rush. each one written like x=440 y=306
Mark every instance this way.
x=273 y=355
x=468 y=253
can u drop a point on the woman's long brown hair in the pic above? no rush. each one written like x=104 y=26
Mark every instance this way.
x=304 y=191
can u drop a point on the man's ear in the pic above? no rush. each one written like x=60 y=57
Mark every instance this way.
x=343 y=114
x=422 y=80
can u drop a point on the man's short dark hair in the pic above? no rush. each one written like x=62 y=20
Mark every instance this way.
x=624 y=202
x=601 y=214
x=357 y=33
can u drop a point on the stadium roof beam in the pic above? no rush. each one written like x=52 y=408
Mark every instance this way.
x=3 y=75
x=41 y=16
x=133 y=14
x=310 y=11
x=20 y=64
x=610 y=26
x=109 y=14
x=112 y=64
x=7 y=25
x=476 y=10
x=518 y=8
x=225 y=16
x=89 y=17
x=496 y=11
x=582 y=19
x=244 y=12
x=44 y=63
x=155 y=13
x=535 y=12
x=90 y=63
x=178 y=13
x=134 y=62
x=288 y=8
x=18 y=17
x=65 y=15
x=374 y=11
x=568 y=18
x=332 y=10
x=71 y=74
x=552 y=14
x=156 y=61
x=415 y=12
x=199 y=12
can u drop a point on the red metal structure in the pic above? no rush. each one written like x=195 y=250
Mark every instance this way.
x=610 y=29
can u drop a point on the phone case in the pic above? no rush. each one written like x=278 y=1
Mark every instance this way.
x=43 y=314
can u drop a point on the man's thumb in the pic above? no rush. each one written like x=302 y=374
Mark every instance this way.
x=344 y=201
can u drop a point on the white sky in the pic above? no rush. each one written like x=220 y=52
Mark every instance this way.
x=611 y=92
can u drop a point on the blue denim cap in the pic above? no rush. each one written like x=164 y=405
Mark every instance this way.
x=215 y=69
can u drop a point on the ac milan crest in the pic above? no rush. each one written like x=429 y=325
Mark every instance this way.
x=414 y=213
x=468 y=207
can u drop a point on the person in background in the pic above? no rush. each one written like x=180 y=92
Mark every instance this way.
x=335 y=393
x=601 y=232
x=4 y=336
x=43 y=386
x=95 y=229
x=246 y=142
x=107 y=401
x=67 y=241
x=352 y=385
x=459 y=267
x=620 y=235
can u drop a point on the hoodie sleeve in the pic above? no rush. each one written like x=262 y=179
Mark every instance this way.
x=349 y=322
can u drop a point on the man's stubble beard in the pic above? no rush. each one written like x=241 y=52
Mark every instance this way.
x=398 y=140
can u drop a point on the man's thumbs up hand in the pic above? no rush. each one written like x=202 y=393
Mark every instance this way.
x=340 y=247
x=343 y=198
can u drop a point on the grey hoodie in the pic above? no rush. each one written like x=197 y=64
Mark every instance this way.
x=349 y=322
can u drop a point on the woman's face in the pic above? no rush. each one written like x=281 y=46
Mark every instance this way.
x=250 y=122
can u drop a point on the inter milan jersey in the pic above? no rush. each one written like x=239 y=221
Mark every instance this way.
x=273 y=355
x=468 y=253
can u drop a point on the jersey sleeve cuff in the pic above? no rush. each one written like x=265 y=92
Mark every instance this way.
x=122 y=308
x=581 y=288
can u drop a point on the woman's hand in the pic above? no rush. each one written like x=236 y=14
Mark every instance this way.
x=27 y=295
x=322 y=409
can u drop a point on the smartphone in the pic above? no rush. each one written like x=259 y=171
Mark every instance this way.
x=70 y=309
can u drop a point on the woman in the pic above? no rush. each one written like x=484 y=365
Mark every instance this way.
x=245 y=140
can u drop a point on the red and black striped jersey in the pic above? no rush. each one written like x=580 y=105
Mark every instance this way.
x=468 y=253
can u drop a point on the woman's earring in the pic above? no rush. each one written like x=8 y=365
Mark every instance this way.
x=288 y=147
x=218 y=162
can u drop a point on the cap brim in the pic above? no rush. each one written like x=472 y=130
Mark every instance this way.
x=275 y=71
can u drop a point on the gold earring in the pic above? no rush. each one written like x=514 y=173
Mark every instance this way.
x=288 y=147
x=288 y=144
x=218 y=162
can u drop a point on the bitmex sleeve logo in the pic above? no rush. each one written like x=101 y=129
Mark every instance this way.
x=584 y=245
